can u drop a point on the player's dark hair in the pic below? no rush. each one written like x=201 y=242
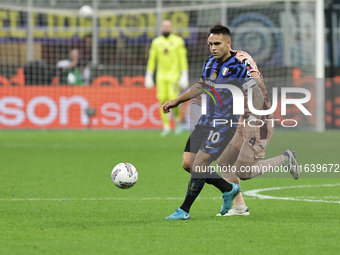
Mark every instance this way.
x=219 y=29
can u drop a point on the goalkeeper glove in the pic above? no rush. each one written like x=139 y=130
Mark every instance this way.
x=149 y=80
x=184 y=80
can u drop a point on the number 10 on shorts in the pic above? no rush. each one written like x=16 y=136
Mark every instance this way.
x=213 y=136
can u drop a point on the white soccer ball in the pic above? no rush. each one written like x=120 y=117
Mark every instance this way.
x=86 y=11
x=124 y=175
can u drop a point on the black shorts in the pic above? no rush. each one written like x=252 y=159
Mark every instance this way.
x=209 y=139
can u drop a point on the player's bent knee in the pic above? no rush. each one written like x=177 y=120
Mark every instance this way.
x=186 y=165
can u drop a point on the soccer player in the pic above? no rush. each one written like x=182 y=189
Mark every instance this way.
x=247 y=153
x=221 y=67
x=170 y=54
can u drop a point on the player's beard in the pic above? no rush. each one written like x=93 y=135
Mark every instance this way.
x=166 y=34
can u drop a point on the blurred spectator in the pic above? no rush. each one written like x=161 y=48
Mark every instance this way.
x=79 y=63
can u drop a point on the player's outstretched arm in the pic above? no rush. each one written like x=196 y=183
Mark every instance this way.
x=190 y=93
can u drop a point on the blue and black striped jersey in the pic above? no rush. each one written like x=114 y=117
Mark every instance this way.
x=231 y=71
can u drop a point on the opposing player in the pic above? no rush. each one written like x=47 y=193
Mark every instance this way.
x=221 y=68
x=248 y=153
x=170 y=54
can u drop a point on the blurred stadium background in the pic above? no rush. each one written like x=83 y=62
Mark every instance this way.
x=57 y=196
x=38 y=36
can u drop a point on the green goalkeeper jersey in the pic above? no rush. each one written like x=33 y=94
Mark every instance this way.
x=170 y=55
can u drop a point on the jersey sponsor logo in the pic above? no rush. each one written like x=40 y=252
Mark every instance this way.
x=213 y=90
x=212 y=84
x=225 y=71
x=246 y=62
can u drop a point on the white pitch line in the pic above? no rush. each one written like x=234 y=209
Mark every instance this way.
x=107 y=198
x=255 y=193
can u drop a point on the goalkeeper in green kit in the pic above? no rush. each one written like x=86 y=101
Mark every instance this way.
x=169 y=55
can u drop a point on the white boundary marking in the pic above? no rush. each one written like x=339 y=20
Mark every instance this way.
x=252 y=194
x=255 y=193
x=107 y=198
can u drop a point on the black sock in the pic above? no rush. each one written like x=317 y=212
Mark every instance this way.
x=214 y=179
x=195 y=186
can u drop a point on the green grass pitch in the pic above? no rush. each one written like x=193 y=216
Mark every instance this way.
x=56 y=197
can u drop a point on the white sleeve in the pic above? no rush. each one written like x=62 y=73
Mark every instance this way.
x=63 y=63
